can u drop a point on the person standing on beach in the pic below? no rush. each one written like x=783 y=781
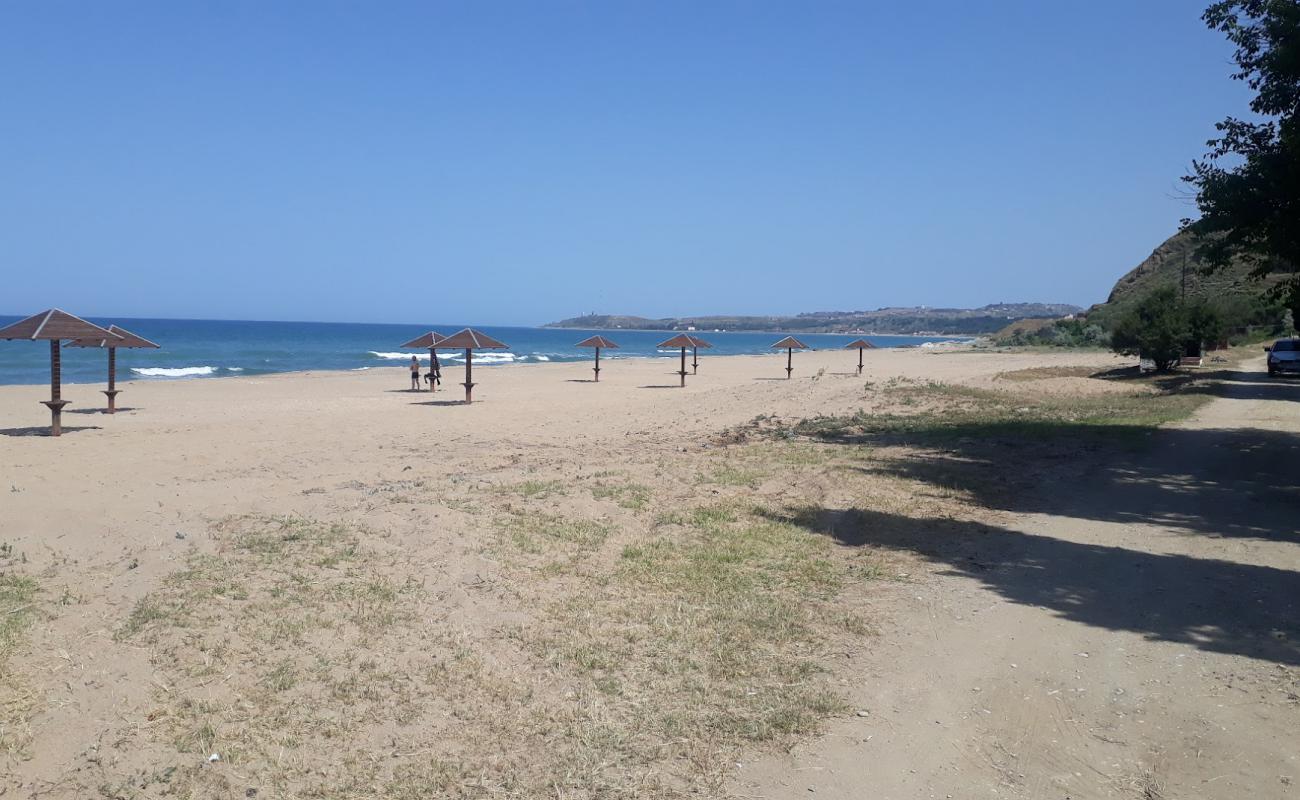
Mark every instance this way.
x=415 y=374
x=435 y=371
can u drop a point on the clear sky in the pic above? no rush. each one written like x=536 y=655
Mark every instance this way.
x=521 y=162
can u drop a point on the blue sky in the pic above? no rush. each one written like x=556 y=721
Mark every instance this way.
x=521 y=162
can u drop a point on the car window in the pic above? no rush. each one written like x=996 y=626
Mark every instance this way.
x=1285 y=345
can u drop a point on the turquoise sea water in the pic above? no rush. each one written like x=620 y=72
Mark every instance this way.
x=214 y=348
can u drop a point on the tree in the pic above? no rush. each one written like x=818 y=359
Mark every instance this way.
x=1248 y=185
x=1204 y=324
x=1156 y=328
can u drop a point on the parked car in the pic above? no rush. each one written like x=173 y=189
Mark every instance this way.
x=1284 y=357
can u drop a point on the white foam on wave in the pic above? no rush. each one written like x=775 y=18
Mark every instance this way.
x=480 y=357
x=172 y=372
x=234 y=369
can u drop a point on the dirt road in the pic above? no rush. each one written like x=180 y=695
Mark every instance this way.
x=1134 y=635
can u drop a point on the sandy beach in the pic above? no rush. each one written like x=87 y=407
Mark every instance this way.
x=443 y=532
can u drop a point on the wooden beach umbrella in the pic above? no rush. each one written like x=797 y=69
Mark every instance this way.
x=790 y=344
x=125 y=339
x=470 y=340
x=684 y=341
x=859 y=345
x=54 y=325
x=598 y=342
x=429 y=340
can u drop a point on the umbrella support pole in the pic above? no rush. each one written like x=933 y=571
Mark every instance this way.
x=433 y=371
x=597 y=369
x=682 y=371
x=789 y=362
x=56 y=401
x=469 y=375
x=112 y=392
x=859 y=360
x=695 y=359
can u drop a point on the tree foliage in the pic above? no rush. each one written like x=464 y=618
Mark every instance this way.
x=1163 y=328
x=1248 y=184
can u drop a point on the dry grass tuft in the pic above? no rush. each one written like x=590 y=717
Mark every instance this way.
x=18 y=609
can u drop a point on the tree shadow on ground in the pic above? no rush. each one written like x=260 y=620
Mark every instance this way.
x=1238 y=482
x=1213 y=605
x=1229 y=483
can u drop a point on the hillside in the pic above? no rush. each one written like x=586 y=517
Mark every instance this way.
x=904 y=320
x=1237 y=296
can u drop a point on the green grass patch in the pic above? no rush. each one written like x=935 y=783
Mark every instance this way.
x=632 y=496
x=945 y=412
x=730 y=474
x=534 y=489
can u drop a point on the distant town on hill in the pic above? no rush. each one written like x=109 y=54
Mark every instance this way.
x=916 y=319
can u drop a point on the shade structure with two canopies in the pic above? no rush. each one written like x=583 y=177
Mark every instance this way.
x=124 y=339
x=54 y=326
x=684 y=341
x=597 y=342
x=470 y=340
x=859 y=345
x=431 y=341
x=789 y=344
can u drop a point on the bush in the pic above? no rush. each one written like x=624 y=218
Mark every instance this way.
x=1162 y=328
x=1061 y=333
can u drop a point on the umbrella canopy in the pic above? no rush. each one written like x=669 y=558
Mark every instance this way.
x=53 y=326
x=859 y=345
x=470 y=340
x=597 y=342
x=124 y=339
x=685 y=340
x=789 y=344
x=430 y=340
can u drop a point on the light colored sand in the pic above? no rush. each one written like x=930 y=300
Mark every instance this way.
x=189 y=451
x=100 y=513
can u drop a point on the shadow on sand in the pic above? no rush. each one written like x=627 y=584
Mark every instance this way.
x=44 y=430
x=1213 y=605
x=1223 y=483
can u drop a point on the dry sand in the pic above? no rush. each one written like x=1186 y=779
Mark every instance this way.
x=105 y=514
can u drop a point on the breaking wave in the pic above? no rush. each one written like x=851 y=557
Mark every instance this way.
x=173 y=372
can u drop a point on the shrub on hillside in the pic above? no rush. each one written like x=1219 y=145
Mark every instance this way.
x=1061 y=333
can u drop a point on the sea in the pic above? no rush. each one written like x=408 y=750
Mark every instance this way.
x=198 y=349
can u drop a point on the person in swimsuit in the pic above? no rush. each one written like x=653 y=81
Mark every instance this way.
x=415 y=374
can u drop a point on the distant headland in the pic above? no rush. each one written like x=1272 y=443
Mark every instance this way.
x=911 y=320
